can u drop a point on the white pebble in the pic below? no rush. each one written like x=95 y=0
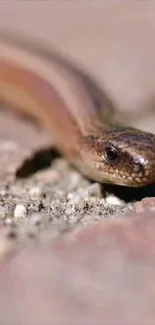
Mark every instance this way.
x=113 y=200
x=35 y=193
x=20 y=211
x=70 y=196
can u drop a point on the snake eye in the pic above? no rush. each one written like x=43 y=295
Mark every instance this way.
x=110 y=154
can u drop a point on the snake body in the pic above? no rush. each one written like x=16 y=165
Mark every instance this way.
x=62 y=99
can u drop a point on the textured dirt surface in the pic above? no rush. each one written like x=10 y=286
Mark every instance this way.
x=71 y=251
x=41 y=191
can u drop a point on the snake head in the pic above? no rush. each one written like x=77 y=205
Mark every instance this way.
x=124 y=157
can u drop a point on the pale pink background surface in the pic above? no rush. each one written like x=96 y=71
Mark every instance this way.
x=112 y=40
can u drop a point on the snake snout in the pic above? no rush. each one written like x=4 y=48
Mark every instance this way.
x=144 y=165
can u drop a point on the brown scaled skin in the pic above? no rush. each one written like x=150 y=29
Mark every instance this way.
x=133 y=163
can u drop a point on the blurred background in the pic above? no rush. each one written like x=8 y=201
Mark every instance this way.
x=112 y=41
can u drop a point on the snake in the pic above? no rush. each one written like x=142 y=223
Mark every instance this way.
x=42 y=83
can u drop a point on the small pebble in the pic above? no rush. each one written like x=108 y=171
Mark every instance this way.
x=76 y=203
x=20 y=211
x=93 y=190
x=113 y=200
x=35 y=193
x=70 y=196
x=74 y=181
